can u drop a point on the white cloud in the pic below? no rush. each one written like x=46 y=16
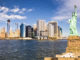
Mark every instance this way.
x=15 y=10
x=18 y=10
x=30 y=10
x=60 y=17
x=64 y=12
x=14 y=13
x=4 y=9
x=22 y=10
x=4 y=13
x=6 y=16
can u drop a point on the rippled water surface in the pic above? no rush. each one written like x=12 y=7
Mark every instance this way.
x=30 y=49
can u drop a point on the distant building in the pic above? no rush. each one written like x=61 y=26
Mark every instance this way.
x=11 y=34
x=14 y=34
x=34 y=26
x=59 y=31
x=52 y=29
x=44 y=34
x=2 y=33
x=29 y=31
x=8 y=27
x=41 y=28
x=17 y=33
x=35 y=30
x=22 y=30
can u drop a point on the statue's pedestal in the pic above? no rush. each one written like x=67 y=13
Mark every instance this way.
x=73 y=45
x=73 y=38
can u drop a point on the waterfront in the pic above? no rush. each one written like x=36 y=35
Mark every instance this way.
x=30 y=49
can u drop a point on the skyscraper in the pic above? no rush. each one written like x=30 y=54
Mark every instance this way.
x=29 y=31
x=52 y=29
x=41 y=26
x=35 y=30
x=8 y=27
x=22 y=30
x=59 y=31
x=34 y=26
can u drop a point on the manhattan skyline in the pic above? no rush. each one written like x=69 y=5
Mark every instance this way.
x=30 y=11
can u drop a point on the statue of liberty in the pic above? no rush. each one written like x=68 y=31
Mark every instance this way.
x=73 y=21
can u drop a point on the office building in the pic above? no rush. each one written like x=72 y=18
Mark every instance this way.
x=29 y=31
x=8 y=27
x=35 y=30
x=11 y=34
x=34 y=26
x=52 y=29
x=44 y=34
x=59 y=32
x=2 y=33
x=17 y=33
x=14 y=34
x=41 y=27
x=22 y=30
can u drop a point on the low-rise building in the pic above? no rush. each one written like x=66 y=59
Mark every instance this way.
x=2 y=33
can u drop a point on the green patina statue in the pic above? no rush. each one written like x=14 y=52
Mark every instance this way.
x=73 y=21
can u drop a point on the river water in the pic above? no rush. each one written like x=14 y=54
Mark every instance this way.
x=30 y=49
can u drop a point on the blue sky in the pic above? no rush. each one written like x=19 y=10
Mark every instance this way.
x=29 y=11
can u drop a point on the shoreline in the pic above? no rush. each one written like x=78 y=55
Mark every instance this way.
x=27 y=39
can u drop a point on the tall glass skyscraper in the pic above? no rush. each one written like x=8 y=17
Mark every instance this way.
x=29 y=31
x=8 y=27
x=59 y=31
x=22 y=30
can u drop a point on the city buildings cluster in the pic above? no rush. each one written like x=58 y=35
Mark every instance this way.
x=49 y=30
x=41 y=30
x=9 y=33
